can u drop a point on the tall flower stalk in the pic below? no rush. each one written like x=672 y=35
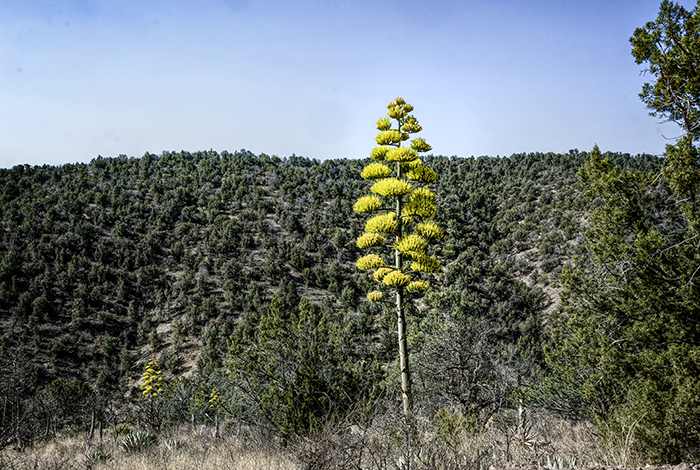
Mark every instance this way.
x=400 y=229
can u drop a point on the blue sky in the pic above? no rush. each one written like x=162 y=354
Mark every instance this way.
x=85 y=78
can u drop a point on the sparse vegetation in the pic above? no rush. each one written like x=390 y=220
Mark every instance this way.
x=379 y=445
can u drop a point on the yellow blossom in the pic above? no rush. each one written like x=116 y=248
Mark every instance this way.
x=369 y=240
x=370 y=261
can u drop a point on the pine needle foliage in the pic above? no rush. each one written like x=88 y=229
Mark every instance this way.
x=403 y=207
x=629 y=345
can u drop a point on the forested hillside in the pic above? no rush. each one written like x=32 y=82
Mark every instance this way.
x=175 y=253
x=179 y=255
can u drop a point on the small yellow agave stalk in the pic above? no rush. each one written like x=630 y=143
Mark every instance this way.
x=402 y=207
x=152 y=379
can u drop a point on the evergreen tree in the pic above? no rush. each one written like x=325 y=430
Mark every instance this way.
x=631 y=341
x=297 y=372
x=631 y=338
x=670 y=46
x=402 y=226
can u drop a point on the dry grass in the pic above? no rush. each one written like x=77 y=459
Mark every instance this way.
x=194 y=452
x=525 y=439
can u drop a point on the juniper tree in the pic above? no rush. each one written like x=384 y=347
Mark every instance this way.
x=628 y=351
x=296 y=373
x=400 y=229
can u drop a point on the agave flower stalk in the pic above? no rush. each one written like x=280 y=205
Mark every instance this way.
x=401 y=206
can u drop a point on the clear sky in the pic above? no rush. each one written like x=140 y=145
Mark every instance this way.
x=85 y=78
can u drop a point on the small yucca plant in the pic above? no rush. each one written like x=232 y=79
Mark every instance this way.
x=96 y=456
x=173 y=444
x=138 y=441
x=120 y=430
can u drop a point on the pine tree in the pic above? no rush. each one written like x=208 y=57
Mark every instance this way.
x=298 y=372
x=628 y=352
x=398 y=233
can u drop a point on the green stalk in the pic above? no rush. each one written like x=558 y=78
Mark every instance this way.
x=401 y=319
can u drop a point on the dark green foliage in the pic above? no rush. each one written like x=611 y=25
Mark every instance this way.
x=670 y=46
x=299 y=370
x=64 y=405
x=631 y=338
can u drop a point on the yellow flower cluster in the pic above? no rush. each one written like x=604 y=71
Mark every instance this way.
x=416 y=203
x=379 y=153
x=426 y=264
x=411 y=243
x=375 y=170
x=384 y=124
x=375 y=296
x=392 y=136
x=392 y=187
x=421 y=210
x=401 y=154
x=411 y=125
x=417 y=287
x=381 y=272
x=423 y=196
x=429 y=230
x=408 y=166
x=370 y=262
x=368 y=240
x=214 y=398
x=385 y=223
x=396 y=279
x=399 y=108
x=420 y=145
x=152 y=380
x=422 y=174
x=367 y=204
x=422 y=203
